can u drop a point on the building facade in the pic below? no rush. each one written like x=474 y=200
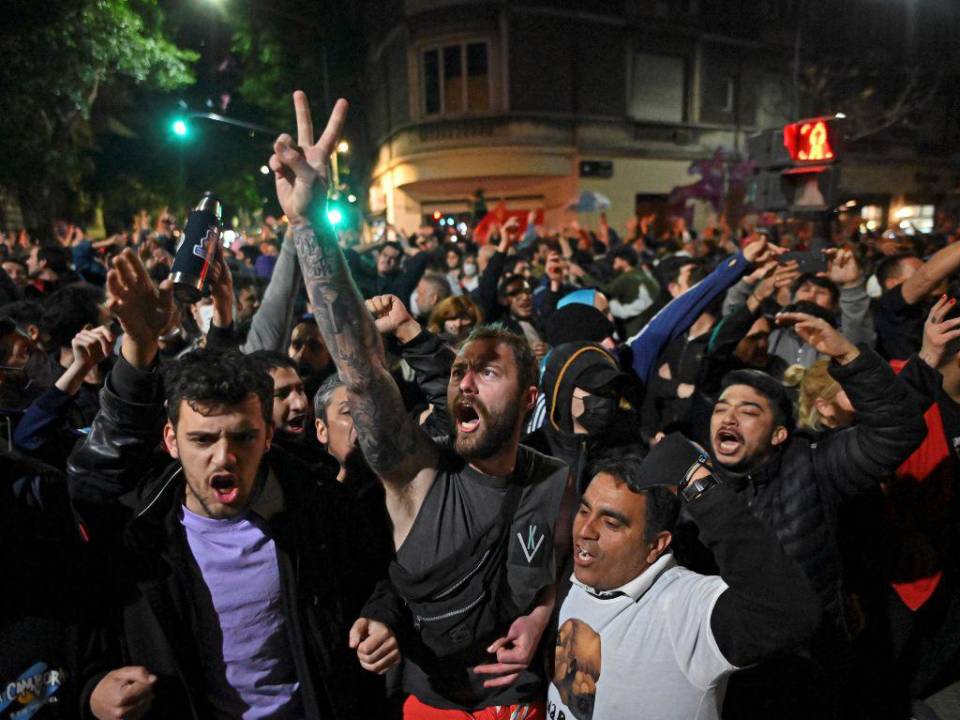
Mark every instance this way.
x=536 y=101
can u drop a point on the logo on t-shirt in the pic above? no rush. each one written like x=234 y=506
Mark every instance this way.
x=529 y=544
x=36 y=687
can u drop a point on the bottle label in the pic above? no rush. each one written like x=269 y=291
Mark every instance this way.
x=200 y=249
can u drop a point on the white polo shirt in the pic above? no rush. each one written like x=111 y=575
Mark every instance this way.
x=644 y=651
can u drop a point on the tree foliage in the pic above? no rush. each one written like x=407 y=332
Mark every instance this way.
x=59 y=59
x=874 y=94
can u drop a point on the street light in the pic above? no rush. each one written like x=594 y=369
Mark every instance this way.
x=264 y=170
x=334 y=216
x=180 y=128
x=343 y=147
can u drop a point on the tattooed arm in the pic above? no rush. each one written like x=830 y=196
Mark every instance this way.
x=394 y=446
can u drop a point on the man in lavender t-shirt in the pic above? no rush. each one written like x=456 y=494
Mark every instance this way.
x=238 y=573
x=243 y=622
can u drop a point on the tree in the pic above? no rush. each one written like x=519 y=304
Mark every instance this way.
x=875 y=94
x=59 y=59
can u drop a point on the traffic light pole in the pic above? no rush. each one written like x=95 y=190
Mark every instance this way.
x=233 y=121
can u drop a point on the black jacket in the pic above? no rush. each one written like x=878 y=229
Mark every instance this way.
x=326 y=569
x=52 y=594
x=798 y=491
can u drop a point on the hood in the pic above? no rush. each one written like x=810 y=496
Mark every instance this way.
x=567 y=366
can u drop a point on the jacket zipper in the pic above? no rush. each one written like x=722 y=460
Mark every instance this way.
x=443 y=593
x=420 y=619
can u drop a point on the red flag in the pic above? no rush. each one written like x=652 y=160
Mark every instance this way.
x=499 y=215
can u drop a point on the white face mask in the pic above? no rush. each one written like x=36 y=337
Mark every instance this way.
x=469 y=269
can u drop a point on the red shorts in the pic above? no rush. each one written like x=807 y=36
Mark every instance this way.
x=413 y=709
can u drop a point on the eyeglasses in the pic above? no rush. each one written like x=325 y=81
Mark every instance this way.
x=522 y=290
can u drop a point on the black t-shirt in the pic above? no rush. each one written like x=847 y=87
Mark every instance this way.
x=899 y=326
x=460 y=504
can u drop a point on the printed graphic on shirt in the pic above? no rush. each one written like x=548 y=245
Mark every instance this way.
x=577 y=669
x=530 y=543
x=22 y=698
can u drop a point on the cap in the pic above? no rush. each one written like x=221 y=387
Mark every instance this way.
x=577 y=322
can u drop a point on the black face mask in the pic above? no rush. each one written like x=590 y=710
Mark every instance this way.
x=598 y=412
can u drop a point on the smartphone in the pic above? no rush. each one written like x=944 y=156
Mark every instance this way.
x=807 y=262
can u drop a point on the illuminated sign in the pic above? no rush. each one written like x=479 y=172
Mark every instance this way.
x=811 y=140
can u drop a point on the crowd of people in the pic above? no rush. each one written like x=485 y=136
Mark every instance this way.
x=556 y=474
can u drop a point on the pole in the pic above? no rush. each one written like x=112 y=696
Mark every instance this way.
x=180 y=179
x=236 y=123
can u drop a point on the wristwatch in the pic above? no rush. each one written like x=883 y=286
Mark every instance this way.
x=691 y=489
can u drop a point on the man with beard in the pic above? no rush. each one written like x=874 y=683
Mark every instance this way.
x=473 y=522
x=291 y=412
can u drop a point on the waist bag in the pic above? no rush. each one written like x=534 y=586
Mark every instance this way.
x=462 y=601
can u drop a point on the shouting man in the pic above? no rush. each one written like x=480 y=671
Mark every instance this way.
x=473 y=520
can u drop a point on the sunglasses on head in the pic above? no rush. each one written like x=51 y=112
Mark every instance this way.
x=520 y=290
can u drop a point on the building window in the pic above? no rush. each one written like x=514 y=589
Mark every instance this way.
x=456 y=78
x=658 y=87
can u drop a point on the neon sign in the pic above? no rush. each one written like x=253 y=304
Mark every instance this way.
x=810 y=140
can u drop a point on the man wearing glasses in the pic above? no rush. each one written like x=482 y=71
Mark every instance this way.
x=516 y=297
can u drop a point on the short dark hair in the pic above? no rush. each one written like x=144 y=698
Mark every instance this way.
x=627 y=254
x=56 y=257
x=522 y=353
x=68 y=311
x=767 y=386
x=222 y=379
x=324 y=396
x=819 y=282
x=392 y=244
x=267 y=360
x=23 y=313
x=889 y=268
x=668 y=270
x=506 y=281
x=663 y=507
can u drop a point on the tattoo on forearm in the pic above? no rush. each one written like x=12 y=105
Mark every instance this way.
x=386 y=434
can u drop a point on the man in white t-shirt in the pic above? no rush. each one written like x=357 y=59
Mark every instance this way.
x=643 y=637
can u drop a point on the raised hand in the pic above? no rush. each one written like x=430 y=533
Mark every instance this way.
x=143 y=309
x=391 y=317
x=90 y=347
x=221 y=288
x=843 y=269
x=760 y=251
x=938 y=333
x=820 y=335
x=300 y=169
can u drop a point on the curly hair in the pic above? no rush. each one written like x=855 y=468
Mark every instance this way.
x=219 y=379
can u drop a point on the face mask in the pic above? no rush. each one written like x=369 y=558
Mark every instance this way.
x=469 y=269
x=597 y=413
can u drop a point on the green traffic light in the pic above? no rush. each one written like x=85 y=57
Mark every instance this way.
x=334 y=216
x=180 y=128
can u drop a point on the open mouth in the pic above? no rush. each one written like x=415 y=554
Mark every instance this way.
x=727 y=442
x=581 y=556
x=225 y=488
x=468 y=418
x=297 y=424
